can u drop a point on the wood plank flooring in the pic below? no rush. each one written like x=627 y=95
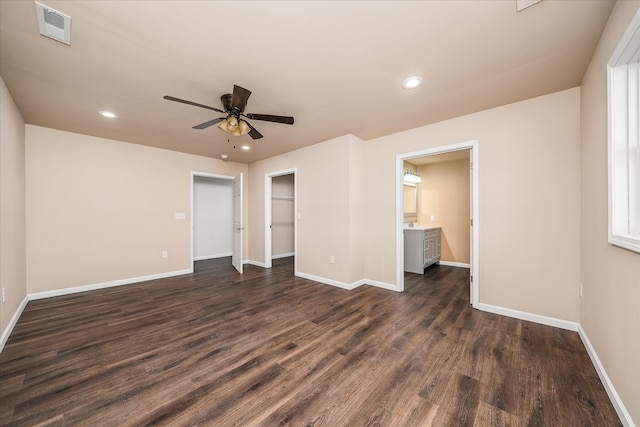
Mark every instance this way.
x=269 y=349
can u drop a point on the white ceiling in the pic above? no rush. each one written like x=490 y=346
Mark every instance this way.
x=336 y=66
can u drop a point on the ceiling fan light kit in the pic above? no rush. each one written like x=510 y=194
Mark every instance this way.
x=234 y=127
x=234 y=105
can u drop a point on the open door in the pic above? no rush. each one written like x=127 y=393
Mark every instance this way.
x=236 y=258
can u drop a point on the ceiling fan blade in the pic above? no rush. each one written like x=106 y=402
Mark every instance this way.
x=271 y=118
x=254 y=132
x=240 y=97
x=184 y=101
x=209 y=123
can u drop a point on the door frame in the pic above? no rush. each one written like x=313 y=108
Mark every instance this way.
x=475 y=204
x=238 y=224
x=268 y=186
x=195 y=174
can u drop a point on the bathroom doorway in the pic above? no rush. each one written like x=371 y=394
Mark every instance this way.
x=444 y=167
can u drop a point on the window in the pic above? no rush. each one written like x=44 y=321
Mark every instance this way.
x=624 y=140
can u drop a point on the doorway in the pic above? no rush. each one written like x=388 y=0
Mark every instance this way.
x=451 y=151
x=216 y=212
x=281 y=228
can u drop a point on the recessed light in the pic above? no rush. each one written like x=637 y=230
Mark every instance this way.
x=108 y=114
x=246 y=147
x=412 y=82
x=224 y=156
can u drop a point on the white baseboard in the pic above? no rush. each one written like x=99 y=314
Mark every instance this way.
x=326 y=281
x=536 y=318
x=283 y=255
x=213 y=256
x=84 y=288
x=256 y=263
x=621 y=410
x=376 y=284
x=347 y=286
x=12 y=323
x=455 y=264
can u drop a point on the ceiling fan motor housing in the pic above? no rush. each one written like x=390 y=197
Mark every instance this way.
x=226 y=101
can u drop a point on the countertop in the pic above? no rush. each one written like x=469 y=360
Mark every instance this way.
x=419 y=227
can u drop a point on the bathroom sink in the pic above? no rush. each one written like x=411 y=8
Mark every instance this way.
x=415 y=227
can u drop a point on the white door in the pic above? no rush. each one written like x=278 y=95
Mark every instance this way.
x=236 y=258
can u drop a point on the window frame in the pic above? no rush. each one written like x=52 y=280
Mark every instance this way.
x=623 y=95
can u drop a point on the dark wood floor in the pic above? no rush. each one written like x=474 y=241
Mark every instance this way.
x=268 y=349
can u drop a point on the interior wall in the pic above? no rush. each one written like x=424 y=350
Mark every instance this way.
x=325 y=201
x=101 y=210
x=610 y=307
x=12 y=209
x=356 y=210
x=282 y=215
x=212 y=217
x=445 y=193
x=529 y=201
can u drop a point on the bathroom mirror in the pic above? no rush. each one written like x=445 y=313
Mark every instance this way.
x=410 y=199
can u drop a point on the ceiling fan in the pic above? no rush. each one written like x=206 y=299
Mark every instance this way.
x=234 y=105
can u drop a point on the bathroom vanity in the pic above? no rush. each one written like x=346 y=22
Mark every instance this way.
x=421 y=248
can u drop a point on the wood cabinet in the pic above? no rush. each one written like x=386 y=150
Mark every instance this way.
x=421 y=248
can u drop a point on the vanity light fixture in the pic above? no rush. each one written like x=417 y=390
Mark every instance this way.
x=412 y=82
x=412 y=178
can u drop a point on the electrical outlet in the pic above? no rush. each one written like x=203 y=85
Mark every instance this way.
x=165 y=254
x=580 y=289
x=332 y=259
x=4 y=295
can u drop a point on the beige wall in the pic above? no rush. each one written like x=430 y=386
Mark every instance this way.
x=610 y=307
x=529 y=203
x=100 y=210
x=329 y=200
x=12 y=208
x=444 y=193
x=529 y=193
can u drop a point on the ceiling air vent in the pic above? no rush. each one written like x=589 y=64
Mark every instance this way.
x=54 y=24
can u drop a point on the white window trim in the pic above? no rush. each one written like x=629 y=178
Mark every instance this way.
x=623 y=229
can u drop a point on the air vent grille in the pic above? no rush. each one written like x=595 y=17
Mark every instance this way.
x=54 y=24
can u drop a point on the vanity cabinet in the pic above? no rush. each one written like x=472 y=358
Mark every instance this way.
x=421 y=248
